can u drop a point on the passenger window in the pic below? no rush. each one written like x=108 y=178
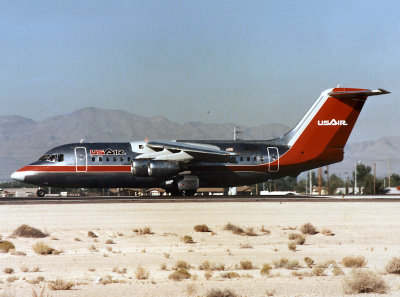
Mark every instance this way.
x=241 y=159
x=107 y=159
x=255 y=158
x=129 y=159
x=122 y=159
x=262 y=159
x=248 y=159
x=100 y=159
x=93 y=159
x=115 y=159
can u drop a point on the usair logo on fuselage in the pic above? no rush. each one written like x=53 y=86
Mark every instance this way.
x=107 y=152
x=332 y=122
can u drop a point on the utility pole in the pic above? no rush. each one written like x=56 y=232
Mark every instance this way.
x=310 y=182
x=374 y=178
x=319 y=180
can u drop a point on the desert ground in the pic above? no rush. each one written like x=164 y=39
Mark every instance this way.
x=107 y=265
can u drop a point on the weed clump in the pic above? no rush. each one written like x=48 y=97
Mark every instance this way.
x=318 y=271
x=310 y=262
x=143 y=231
x=91 y=234
x=221 y=293
x=246 y=265
x=202 y=228
x=297 y=238
x=180 y=274
x=182 y=265
x=354 y=262
x=6 y=245
x=327 y=232
x=43 y=249
x=364 y=282
x=8 y=270
x=292 y=246
x=308 y=229
x=393 y=266
x=230 y=274
x=211 y=266
x=110 y=241
x=234 y=228
x=60 y=284
x=266 y=269
x=337 y=271
x=282 y=262
x=187 y=239
x=27 y=231
x=141 y=273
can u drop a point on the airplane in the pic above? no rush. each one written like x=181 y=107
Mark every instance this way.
x=182 y=166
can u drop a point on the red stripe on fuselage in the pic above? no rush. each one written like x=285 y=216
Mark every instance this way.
x=72 y=168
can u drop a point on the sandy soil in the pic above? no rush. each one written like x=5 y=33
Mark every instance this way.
x=369 y=229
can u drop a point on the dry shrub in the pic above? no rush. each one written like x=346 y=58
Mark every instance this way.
x=328 y=263
x=266 y=269
x=109 y=280
x=8 y=270
x=283 y=262
x=250 y=232
x=43 y=249
x=24 y=268
x=211 y=266
x=292 y=245
x=292 y=264
x=60 y=284
x=265 y=231
x=354 y=262
x=120 y=270
x=27 y=231
x=110 y=241
x=327 y=232
x=308 y=229
x=190 y=289
x=393 y=266
x=77 y=239
x=143 y=231
x=180 y=274
x=202 y=228
x=208 y=274
x=221 y=293
x=163 y=266
x=234 y=228
x=91 y=234
x=142 y=273
x=337 y=271
x=6 y=246
x=298 y=238
x=318 y=271
x=230 y=274
x=36 y=269
x=310 y=262
x=361 y=281
x=187 y=239
x=246 y=246
x=180 y=264
x=12 y=279
x=246 y=265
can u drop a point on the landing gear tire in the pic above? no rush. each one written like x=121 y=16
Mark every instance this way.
x=190 y=192
x=40 y=193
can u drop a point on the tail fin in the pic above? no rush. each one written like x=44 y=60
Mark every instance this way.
x=323 y=132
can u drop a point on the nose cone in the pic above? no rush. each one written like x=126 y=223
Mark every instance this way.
x=18 y=175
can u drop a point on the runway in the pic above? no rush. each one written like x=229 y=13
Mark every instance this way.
x=199 y=199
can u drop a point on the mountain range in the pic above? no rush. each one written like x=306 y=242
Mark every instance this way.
x=23 y=140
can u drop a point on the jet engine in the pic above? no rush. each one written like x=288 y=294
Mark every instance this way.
x=140 y=168
x=163 y=168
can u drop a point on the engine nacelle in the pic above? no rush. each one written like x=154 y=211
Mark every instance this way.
x=140 y=168
x=188 y=183
x=163 y=168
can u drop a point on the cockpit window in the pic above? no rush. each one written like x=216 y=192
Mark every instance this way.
x=52 y=158
x=44 y=157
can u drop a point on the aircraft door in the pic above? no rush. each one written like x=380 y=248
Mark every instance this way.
x=80 y=159
x=273 y=155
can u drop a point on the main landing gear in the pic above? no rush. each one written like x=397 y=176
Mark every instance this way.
x=40 y=193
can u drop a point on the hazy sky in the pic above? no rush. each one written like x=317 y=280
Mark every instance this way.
x=249 y=62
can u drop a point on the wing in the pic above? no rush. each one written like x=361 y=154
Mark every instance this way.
x=184 y=152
